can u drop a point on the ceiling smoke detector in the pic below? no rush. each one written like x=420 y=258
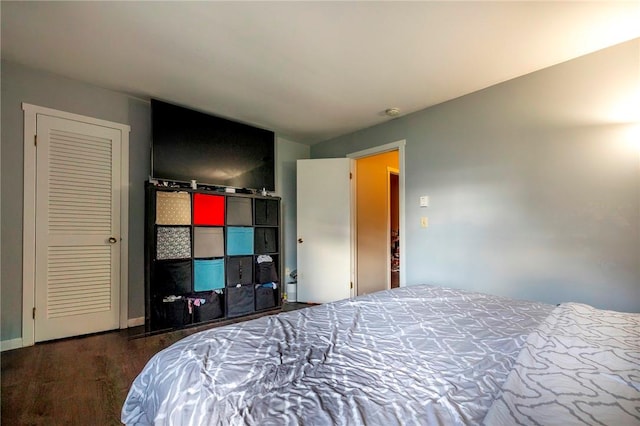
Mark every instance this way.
x=392 y=112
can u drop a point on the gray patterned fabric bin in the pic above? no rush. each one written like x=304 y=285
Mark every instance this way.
x=173 y=242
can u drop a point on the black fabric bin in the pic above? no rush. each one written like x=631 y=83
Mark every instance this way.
x=265 y=298
x=265 y=240
x=266 y=272
x=240 y=300
x=266 y=212
x=212 y=309
x=170 y=314
x=239 y=270
x=171 y=277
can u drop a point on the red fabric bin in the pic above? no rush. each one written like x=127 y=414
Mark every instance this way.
x=208 y=209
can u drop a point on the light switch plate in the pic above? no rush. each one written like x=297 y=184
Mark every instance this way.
x=424 y=222
x=424 y=201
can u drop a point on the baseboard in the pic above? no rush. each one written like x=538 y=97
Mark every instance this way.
x=7 y=345
x=135 y=322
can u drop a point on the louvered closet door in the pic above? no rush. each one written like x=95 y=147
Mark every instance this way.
x=77 y=213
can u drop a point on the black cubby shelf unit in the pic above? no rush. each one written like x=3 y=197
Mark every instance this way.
x=210 y=255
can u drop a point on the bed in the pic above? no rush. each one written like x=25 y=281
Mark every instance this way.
x=417 y=355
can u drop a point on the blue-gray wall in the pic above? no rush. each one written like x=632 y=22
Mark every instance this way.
x=534 y=184
x=288 y=153
x=534 y=188
x=23 y=84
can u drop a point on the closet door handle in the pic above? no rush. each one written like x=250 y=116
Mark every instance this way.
x=113 y=240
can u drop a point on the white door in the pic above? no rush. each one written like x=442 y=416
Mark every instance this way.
x=77 y=257
x=324 y=230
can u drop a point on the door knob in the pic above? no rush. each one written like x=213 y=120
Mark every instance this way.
x=113 y=240
x=300 y=241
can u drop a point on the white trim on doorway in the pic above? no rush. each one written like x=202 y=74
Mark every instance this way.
x=29 y=215
x=396 y=172
x=400 y=147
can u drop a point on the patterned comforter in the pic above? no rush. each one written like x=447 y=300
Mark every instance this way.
x=417 y=355
x=580 y=366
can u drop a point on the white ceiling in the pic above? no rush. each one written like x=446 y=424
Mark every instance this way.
x=307 y=70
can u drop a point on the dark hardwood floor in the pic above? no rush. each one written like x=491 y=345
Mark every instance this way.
x=82 y=380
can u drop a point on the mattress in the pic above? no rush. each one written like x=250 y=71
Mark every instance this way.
x=411 y=356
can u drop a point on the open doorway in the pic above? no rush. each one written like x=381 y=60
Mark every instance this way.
x=393 y=190
x=377 y=225
x=331 y=262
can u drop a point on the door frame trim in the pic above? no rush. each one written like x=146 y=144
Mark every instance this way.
x=400 y=146
x=391 y=171
x=29 y=214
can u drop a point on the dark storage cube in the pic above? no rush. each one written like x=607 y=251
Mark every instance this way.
x=173 y=242
x=170 y=314
x=212 y=309
x=240 y=300
x=265 y=240
x=239 y=240
x=208 y=242
x=171 y=277
x=239 y=211
x=265 y=298
x=266 y=212
x=208 y=274
x=203 y=244
x=266 y=272
x=239 y=270
x=208 y=209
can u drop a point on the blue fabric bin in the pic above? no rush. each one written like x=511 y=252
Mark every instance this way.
x=209 y=274
x=239 y=240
